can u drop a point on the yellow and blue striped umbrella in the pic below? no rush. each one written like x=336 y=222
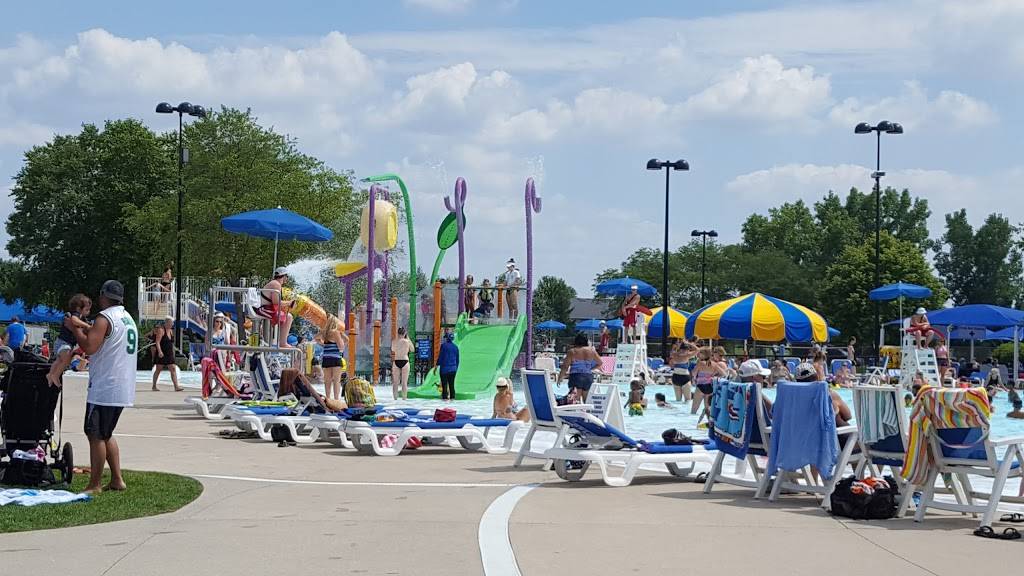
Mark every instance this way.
x=756 y=316
x=677 y=322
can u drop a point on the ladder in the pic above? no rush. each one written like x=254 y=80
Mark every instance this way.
x=631 y=357
x=916 y=360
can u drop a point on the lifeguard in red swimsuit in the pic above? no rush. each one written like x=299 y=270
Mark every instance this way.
x=921 y=328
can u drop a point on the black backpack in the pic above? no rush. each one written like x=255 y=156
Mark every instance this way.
x=866 y=499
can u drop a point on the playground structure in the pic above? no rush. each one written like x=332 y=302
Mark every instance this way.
x=488 y=346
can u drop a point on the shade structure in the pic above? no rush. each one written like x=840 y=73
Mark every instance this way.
x=594 y=325
x=550 y=325
x=758 y=317
x=276 y=223
x=899 y=290
x=974 y=334
x=977 y=315
x=1005 y=334
x=622 y=286
x=37 y=315
x=676 y=322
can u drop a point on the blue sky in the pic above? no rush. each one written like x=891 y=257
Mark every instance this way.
x=760 y=97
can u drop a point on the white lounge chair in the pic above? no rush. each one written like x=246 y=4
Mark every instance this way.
x=883 y=429
x=755 y=444
x=471 y=433
x=601 y=443
x=966 y=452
x=544 y=411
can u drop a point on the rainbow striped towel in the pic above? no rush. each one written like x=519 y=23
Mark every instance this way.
x=938 y=409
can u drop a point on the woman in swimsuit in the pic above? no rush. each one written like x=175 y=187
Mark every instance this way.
x=166 y=278
x=579 y=362
x=704 y=373
x=628 y=312
x=400 y=348
x=505 y=405
x=680 y=356
x=335 y=342
x=470 y=298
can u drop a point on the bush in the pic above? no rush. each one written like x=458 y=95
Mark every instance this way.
x=1004 y=353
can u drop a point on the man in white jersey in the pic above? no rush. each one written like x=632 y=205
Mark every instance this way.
x=111 y=342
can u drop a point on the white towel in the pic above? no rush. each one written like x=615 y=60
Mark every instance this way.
x=28 y=497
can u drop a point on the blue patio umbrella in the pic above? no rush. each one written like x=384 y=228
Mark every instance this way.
x=832 y=332
x=594 y=325
x=38 y=315
x=276 y=223
x=977 y=315
x=550 y=325
x=622 y=286
x=899 y=290
x=1006 y=334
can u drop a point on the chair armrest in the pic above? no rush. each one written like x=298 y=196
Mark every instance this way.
x=844 y=430
x=1006 y=441
x=574 y=408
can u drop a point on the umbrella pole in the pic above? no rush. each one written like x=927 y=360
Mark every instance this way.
x=1016 y=352
x=276 y=236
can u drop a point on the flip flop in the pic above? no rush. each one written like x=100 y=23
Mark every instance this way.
x=1015 y=517
x=988 y=532
x=700 y=478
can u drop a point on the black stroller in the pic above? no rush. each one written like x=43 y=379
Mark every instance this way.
x=27 y=424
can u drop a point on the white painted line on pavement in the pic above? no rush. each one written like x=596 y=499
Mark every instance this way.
x=167 y=437
x=343 y=483
x=496 y=552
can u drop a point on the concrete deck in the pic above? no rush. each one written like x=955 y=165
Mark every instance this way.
x=322 y=509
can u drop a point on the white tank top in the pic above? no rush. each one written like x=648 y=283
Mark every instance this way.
x=112 y=367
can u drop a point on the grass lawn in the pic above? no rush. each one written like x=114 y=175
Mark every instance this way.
x=148 y=493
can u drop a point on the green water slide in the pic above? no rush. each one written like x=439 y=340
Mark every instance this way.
x=486 y=351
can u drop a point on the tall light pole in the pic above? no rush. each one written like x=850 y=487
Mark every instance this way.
x=703 y=234
x=654 y=164
x=198 y=112
x=889 y=128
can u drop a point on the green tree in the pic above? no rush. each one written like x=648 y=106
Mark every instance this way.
x=844 y=288
x=552 y=300
x=73 y=199
x=683 y=274
x=237 y=165
x=789 y=230
x=903 y=216
x=10 y=271
x=768 y=272
x=983 y=266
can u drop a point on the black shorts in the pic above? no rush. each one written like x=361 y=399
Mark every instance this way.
x=581 y=381
x=680 y=379
x=943 y=362
x=331 y=362
x=100 y=421
x=706 y=389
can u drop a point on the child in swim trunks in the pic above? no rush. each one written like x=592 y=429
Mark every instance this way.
x=78 y=309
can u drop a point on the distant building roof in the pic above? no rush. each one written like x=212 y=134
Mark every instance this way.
x=587 y=308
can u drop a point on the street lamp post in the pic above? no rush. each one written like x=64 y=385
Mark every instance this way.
x=654 y=164
x=199 y=112
x=703 y=234
x=889 y=128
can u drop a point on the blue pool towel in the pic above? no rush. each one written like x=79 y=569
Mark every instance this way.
x=28 y=497
x=662 y=448
x=803 y=428
x=733 y=421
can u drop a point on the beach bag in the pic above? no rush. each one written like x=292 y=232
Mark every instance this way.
x=281 y=433
x=444 y=415
x=866 y=498
x=32 y=473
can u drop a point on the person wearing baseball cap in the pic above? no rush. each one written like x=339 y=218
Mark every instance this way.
x=752 y=371
x=806 y=372
x=112 y=343
x=513 y=280
x=921 y=328
x=274 y=308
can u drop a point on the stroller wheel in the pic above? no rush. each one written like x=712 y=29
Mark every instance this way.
x=67 y=460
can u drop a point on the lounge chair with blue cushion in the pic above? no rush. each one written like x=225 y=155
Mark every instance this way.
x=601 y=443
x=471 y=433
x=950 y=434
x=544 y=413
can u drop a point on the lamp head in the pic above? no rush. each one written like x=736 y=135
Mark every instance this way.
x=198 y=111
x=895 y=128
x=713 y=233
x=862 y=128
x=164 y=108
x=653 y=164
x=185 y=108
x=884 y=126
x=695 y=233
x=680 y=165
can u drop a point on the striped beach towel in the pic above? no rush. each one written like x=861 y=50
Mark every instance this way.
x=938 y=409
x=877 y=415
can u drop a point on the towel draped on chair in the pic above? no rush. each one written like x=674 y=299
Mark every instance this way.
x=803 y=429
x=940 y=409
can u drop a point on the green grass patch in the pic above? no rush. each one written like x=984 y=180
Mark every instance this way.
x=148 y=494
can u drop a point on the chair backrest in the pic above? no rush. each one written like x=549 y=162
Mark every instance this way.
x=892 y=448
x=262 y=382
x=540 y=398
x=838 y=364
x=655 y=363
x=594 y=429
x=791 y=364
x=968 y=446
x=546 y=363
x=760 y=436
x=764 y=362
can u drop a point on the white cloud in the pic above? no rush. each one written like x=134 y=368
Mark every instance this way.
x=24 y=134
x=912 y=107
x=444 y=6
x=763 y=89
